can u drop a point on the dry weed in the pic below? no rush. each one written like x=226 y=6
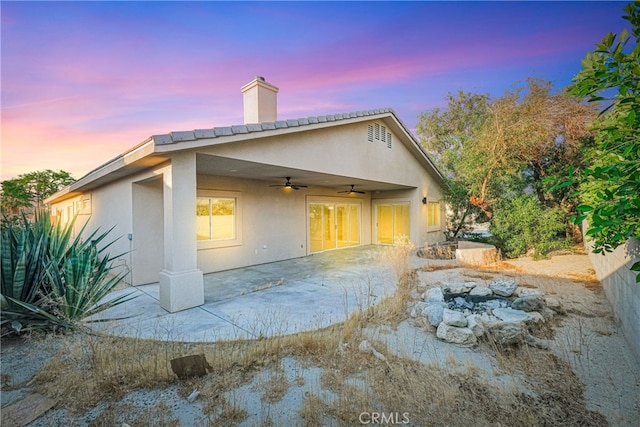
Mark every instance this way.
x=274 y=388
x=91 y=369
x=313 y=407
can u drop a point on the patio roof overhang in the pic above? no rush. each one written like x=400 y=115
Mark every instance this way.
x=273 y=174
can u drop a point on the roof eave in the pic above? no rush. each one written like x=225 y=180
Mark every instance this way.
x=130 y=157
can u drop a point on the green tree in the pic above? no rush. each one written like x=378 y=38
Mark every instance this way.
x=495 y=149
x=610 y=187
x=27 y=191
x=444 y=134
x=523 y=224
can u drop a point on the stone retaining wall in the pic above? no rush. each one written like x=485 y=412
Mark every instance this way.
x=620 y=287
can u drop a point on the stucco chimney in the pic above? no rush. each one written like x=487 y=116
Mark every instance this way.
x=260 y=101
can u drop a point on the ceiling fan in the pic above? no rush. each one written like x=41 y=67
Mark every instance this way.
x=352 y=190
x=288 y=184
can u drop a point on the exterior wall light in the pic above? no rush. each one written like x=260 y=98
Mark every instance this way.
x=424 y=200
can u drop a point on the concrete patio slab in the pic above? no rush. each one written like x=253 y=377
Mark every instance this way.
x=279 y=298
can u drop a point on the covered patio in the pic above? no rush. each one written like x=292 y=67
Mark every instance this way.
x=278 y=298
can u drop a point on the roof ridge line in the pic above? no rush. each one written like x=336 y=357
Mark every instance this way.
x=214 y=132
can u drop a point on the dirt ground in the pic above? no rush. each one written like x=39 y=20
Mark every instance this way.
x=580 y=373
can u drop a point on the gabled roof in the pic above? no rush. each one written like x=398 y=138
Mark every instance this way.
x=152 y=151
x=174 y=137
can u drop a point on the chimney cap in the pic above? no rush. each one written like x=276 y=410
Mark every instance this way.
x=260 y=81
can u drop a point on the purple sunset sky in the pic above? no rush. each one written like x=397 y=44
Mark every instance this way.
x=83 y=82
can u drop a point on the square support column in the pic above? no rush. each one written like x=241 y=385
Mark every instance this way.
x=181 y=282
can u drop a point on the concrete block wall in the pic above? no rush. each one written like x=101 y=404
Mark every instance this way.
x=620 y=287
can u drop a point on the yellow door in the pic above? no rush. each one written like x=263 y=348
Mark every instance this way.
x=393 y=223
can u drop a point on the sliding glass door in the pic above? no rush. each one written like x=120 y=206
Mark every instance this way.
x=333 y=225
x=392 y=223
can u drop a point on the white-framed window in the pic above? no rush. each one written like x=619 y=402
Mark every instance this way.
x=433 y=214
x=218 y=215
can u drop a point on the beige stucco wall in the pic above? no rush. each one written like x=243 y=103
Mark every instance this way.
x=618 y=281
x=274 y=222
x=112 y=206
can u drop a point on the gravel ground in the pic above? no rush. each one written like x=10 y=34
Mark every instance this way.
x=587 y=338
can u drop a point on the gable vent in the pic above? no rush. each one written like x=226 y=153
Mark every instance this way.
x=378 y=132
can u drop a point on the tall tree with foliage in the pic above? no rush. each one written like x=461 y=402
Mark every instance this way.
x=445 y=134
x=496 y=148
x=611 y=185
x=27 y=191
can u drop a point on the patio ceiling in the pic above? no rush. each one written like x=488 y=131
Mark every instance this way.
x=274 y=174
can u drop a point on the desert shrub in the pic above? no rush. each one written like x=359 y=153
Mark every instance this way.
x=522 y=223
x=49 y=279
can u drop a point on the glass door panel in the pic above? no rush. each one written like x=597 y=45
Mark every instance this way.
x=329 y=220
x=400 y=223
x=315 y=228
x=333 y=226
x=385 y=224
x=354 y=225
x=393 y=223
x=342 y=225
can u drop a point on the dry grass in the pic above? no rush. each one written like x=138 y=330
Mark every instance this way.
x=274 y=388
x=92 y=369
x=312 y=409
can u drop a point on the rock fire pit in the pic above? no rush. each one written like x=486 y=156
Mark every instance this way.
x=463 y=312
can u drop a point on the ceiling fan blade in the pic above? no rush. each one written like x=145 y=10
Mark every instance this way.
x=352 y=190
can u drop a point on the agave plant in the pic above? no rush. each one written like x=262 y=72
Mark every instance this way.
x=24 y=255
x=49 y=279
x=82 y=281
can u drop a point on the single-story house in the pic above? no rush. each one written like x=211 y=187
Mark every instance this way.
x=207 y=200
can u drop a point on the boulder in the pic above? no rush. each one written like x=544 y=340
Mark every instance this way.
x=547 y=313
x=460 y=287
x=527 y=291
x=474 y=322
x=433 y=312
x=434 y=295
x=508 y=333
x=456 y=335
x=511 y=315
x=481 y=291
x=462 y=303
x=529 y=302
x=504 y=288
x=453 y=318
x=494 y=304
x=476 y=254
x=535 y=317
x=417 y=309
x=554 y=304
